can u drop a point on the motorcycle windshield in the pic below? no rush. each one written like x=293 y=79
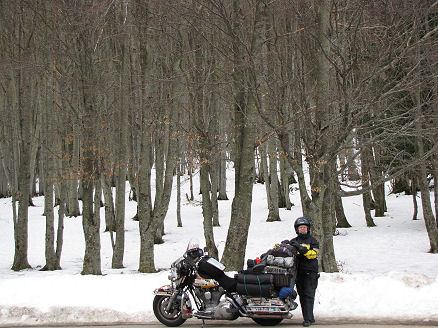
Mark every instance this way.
x=193 y=244
x=193 y=251
x=177 y=261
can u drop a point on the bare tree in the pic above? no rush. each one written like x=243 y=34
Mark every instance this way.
x=158 y=129
x=18 y=26
x=124 y=47
x=241 y=28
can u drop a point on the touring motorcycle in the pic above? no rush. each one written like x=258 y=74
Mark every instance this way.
x=200 y=289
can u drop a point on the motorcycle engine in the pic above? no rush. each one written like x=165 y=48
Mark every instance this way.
x=216 y=305
x=210 y=296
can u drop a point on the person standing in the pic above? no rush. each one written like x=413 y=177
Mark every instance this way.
x=307 y=272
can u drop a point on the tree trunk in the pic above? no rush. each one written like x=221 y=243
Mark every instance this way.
x=214 y=177
x=50 y=252
x=320 y=163
x=159 y=162
x=190 y=172
x=377 y=188
x=161 y=203
x=284 y=172
x=222 y=161
x=327 y=259
x=273 y=181
x=178 y=194
x=35 y=145
x=294 y=158
x=73 y=197
x=24 y=142
x=235 y=246
x=89 y=167
x=60 y=229
x=265 y=174
x=4 y=187
x=352 y=170
x=341 y=219
x=414 y=197
x=165 y=157
x=21 y=82
x=160 y=145
x=401 y=184
x=435 y=156
x=60 y=193
x=435 y=185
x=119 y=249
x=207 y=211
x=366 y=197
x=429 y=219
x=178 y=177
x=144 y=204
x=91 y=223
x=109 y=203
x=132 y=164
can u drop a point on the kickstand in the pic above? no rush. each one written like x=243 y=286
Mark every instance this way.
x=203 y=322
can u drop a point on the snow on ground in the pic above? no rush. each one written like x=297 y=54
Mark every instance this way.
x=385 y=273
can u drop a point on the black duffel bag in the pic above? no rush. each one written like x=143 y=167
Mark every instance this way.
x=256 y=290
x=283 y=250
x=254 y=278
x=255 y=284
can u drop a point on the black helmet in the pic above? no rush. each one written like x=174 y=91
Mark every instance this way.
x=302 y=221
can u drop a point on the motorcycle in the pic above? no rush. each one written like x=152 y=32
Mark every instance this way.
x=200 y=289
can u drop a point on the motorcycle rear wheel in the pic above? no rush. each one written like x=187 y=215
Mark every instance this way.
x=171 y=319
x=267 y=322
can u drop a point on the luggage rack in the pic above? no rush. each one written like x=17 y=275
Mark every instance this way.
x=282 y=276
x=276 y=270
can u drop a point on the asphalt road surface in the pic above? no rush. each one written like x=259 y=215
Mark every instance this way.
x=250 y=324
x=294 y=325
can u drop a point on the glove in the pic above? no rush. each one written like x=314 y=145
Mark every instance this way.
x=295 y=244
x=301 y=249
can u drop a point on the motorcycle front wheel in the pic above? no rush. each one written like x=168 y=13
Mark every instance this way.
x=173 y=318
x=267 y=322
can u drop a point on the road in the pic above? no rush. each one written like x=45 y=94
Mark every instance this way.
x=249 y=324
x=294 y=325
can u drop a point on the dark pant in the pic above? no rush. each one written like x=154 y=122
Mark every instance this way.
x=306 y=285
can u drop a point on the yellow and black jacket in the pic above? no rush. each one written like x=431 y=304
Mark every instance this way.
x=307 y=253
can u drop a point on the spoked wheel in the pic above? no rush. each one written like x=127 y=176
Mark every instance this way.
x=171 y=318
x=267 y=322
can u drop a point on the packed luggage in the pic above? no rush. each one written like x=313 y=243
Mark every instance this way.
x=267 y=275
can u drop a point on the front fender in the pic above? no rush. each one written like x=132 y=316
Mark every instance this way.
x=165 y=290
